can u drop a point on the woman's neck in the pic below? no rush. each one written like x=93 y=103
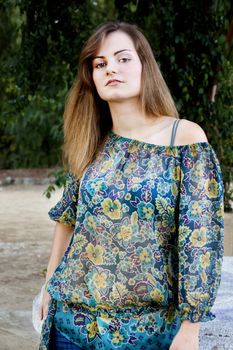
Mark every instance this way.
x=128 y=119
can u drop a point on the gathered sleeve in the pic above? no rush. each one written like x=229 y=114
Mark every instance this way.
x=66 y=208
x=200 y=231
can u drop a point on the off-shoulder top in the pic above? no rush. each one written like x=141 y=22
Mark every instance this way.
x=148 y=240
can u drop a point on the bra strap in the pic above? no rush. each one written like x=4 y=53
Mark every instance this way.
x=174 y=128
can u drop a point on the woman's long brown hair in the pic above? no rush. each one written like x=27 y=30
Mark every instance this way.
x=87 y=118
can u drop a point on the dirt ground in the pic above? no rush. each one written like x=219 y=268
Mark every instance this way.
x=25 y=241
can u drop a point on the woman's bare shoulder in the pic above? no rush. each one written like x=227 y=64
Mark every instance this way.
x=189 y=132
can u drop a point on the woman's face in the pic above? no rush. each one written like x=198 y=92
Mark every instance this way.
x=117 y=68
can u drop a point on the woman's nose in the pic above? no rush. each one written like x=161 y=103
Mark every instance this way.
x=111 y=68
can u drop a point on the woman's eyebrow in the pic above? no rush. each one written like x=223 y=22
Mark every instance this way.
x=115 y=53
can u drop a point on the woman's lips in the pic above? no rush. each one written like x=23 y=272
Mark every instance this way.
x=113 y=82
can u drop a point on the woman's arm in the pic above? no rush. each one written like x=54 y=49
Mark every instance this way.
x=61 y=240
x=187 y=337
x=200 y=237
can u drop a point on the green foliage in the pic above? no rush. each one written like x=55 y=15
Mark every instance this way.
x=39 y=49
x=221 y=125
x=32 y=127
x=58 y=180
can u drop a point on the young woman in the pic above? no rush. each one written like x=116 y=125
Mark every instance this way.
x=138 y=242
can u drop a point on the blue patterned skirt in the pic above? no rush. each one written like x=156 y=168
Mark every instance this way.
x=144 y=328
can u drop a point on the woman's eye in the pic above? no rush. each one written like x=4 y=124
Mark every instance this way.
x=100 y=65
x=103 y=64
x=124 y=59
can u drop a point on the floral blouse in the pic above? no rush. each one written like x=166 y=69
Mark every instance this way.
x=147 y=246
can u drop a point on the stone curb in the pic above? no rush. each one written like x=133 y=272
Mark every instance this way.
x=9 y=180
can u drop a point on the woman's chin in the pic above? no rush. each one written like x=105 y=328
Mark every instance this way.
x=118 y=97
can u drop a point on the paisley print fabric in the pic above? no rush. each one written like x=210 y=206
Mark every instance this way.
x=147 y=246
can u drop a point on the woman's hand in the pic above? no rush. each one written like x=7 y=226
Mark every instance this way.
x=43 y=310
x=187 y=337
